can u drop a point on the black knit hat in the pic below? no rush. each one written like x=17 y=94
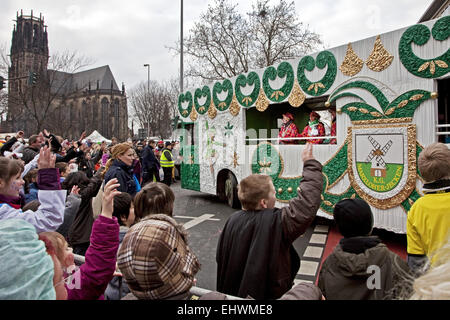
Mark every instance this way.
x=353 y=217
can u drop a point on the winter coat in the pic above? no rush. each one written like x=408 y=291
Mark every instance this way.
x=100 y=262
x=32 y=193
x=149 y=160
x=29 y=153
x=73 y=203
x=80 y=230
x=50 y=213
x=124 y=174
x=255 y=256
x=117 y=287
x=345 y=275
x=302 y=291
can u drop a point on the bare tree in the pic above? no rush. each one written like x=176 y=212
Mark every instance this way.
x=155 y=107
x=277 y=34
x=225 y=43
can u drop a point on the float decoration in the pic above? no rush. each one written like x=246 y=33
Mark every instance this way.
x=204 y=92
x=380 y=59
x=186 y=97
x=318 y=88
x=284 y=70
x=420 y=35
x=242 y=81
x=352 y=64
x=218 y=88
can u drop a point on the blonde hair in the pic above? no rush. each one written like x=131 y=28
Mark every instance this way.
x=435 y=283
x=116 y=151
x=252 y=189
x=55 y=244
x=434 y=162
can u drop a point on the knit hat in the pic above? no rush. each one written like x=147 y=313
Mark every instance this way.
x=25 y=267
x=315 y=114
x=155 y=259
x=353 y=217
x=289 y=115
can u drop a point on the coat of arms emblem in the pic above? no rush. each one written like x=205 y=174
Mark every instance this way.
x=382 y=163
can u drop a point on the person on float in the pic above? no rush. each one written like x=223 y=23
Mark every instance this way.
x=333 y=125
x=288 y=129
x=315 y=128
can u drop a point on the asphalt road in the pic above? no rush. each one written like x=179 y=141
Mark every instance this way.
x=204 y=216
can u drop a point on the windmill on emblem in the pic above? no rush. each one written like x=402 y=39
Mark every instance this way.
x=378 y=168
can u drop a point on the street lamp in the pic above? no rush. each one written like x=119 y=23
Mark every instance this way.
x=181 y=47
x=148 y=93
x=148 y=77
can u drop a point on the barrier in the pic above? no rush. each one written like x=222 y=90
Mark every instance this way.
x=194 y=291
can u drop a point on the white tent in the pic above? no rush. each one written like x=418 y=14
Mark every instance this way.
x=95 y=136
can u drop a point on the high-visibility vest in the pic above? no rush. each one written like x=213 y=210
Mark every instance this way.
x=164 y=162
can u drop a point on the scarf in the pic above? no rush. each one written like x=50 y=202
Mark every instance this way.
x=313 y=123
x=15 y=202
x=439 y=186
x=358 y=245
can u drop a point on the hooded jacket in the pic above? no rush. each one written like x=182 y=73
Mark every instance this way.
x=370 y=275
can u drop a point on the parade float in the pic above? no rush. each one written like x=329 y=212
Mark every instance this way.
x=385 y=90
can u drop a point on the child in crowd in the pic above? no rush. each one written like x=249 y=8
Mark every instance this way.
x=428 y=221
x=124 y=212
x=360 y=267
x=49 y=216
x=64 y=170
x=154 y=257
x=80 y=230
x=30 y=188
x=36 y=269
x=73 y=202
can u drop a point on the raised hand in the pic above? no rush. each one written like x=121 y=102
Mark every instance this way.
x=46 y=133
x=19 y=134
x=307 y=153
x=75 y=190
x=46 y=158
x=83 y=135
x=109 y=192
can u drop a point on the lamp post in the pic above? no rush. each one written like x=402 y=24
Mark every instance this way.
x=148 y=93
x=148 y=76
x=181 y=47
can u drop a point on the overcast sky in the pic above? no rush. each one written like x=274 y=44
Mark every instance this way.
x=127 y=34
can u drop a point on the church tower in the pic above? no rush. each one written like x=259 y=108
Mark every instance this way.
x=29 y=50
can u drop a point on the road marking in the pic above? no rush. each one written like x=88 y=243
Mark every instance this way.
x=308 y=268
x=313 y=252
x=189 y=217
x=297 y=281
x=197 y=220
x=321 y=228
x=318 y=238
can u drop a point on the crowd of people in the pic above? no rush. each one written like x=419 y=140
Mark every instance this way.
x=106 y=203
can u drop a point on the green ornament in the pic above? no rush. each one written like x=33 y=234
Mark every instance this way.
x=317 y=88
x=242 y=81
x=283 y=70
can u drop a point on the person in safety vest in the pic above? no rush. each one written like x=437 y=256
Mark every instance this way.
x=167 y=163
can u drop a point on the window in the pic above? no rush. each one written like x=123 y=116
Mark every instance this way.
x=105 y=118
x=443 y=126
